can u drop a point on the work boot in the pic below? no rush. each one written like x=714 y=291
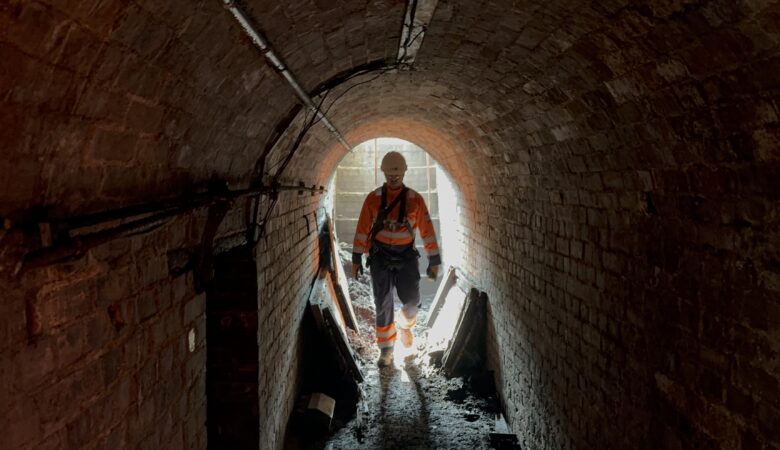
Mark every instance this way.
x=407 y=337
x=385 y=357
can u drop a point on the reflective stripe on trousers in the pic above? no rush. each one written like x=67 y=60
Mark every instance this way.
x=385 y=336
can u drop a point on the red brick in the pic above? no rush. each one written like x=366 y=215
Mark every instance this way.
x=113 y=145
x=145 y=118
x=33 y=27
x=80 y=49
x=116 y=181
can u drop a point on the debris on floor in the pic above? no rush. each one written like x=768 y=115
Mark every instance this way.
x=413 y=405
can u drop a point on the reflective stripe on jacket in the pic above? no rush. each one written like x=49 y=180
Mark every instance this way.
x=395 y=233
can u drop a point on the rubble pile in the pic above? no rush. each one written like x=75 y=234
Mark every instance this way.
x=412 y=405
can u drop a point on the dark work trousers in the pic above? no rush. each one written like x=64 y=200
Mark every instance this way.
x=395 y=267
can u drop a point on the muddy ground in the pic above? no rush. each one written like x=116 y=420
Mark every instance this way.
x=411 y=405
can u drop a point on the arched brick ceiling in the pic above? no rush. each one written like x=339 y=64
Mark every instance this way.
x=321 y=38
x=556 y=88
x=116 y=103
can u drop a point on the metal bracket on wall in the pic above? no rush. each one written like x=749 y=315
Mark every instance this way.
x=204 y=268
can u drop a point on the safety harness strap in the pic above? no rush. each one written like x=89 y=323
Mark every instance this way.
x=402 y=212
x=385 y=209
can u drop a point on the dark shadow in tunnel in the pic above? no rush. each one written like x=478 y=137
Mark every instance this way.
x=232 y=365
x=386 y=377
x=321 y=374
x=403 y=412
x=413 y=371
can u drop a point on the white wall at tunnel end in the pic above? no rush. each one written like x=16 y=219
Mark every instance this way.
x=450 y=218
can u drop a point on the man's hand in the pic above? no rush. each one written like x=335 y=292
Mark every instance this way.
x=432 y=272
x=357 y=268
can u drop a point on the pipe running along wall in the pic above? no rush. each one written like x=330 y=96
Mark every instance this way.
x=276 y=62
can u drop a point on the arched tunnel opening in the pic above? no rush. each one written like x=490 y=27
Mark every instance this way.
x=359 y=173
x=616 y=166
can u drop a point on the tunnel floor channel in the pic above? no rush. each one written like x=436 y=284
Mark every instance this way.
x=411 y=405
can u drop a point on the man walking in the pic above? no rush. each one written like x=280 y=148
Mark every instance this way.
x=385 y=231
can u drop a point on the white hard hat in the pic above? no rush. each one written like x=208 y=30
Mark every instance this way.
x=393 y=164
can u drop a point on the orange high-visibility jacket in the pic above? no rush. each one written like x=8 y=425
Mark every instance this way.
x=394 y=233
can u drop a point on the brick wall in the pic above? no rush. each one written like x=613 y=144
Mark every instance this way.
x=114 y=94
x=113 y=103
x=633 y=266
x=125 y=101
x=287 y=263
x=642 y=329
x=112 y=365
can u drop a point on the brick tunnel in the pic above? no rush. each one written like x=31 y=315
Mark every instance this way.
x=616 y=162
